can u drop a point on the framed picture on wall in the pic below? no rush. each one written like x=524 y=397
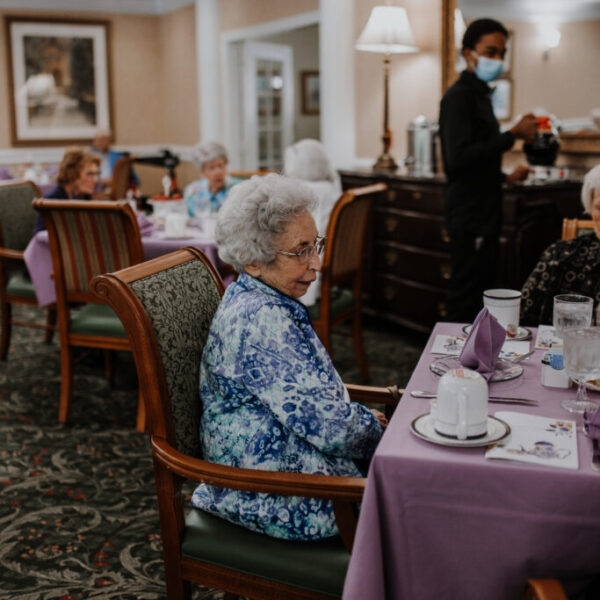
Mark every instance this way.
x=58 y=78
x=310 y=93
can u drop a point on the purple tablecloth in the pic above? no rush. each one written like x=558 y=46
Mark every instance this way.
x=445 y=523
x=39 y=260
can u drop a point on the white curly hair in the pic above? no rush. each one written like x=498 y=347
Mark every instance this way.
x=254 y=214
x=204 y=152
x=591 y=184
x=308 y=160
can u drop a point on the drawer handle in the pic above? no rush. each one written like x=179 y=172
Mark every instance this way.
x=442 y=312
x=446 y=270
x=391 y=258
x=444 y=235
x=390 y=224
x=416 y=195
x=391 y=196
x=388 y=292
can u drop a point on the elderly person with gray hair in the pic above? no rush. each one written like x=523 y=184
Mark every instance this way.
x=567 y=266
x=206 y=195
x=308 y=161
x=271 y=397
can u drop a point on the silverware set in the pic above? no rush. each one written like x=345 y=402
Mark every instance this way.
x=495 y=399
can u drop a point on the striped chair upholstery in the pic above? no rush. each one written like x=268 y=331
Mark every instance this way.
x=342 y=268
x=17 y=220
x=88 y=239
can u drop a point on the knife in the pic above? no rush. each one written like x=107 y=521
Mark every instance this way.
x=495 y=399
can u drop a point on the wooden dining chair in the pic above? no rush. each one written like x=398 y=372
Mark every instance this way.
x=166 y=306
x=88 y=238
x=17 y=221
x=248 y=174
x=575 y=227
x=544 y=589
x=121 y=177
x=342 y=268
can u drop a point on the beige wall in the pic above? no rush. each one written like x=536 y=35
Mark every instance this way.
x=415 y=80
x=237 y=14
x=153 y=83
x=305 y=48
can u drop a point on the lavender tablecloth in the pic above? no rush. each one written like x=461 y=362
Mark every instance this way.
x=39 y=260
x=445 y=523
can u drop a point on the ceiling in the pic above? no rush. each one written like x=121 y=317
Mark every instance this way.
x=531 y=10
x=150 y=7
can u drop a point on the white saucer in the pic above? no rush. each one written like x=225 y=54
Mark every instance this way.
x=163 y=235
x=522 y=333
x=504 y=371
x=422 y=427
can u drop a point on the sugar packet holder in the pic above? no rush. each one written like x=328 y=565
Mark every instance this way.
x=554 y=373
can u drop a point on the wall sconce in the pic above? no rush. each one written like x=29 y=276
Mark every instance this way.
x=388 y=32
x=549 y=37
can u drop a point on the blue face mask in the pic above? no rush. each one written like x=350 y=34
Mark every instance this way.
x=488 y=69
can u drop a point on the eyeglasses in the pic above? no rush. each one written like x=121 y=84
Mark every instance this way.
x=305 y=254
x=92 y=174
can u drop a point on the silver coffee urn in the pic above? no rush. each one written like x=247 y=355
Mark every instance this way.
x=422 y=147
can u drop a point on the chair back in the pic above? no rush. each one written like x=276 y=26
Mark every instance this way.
x=166 y=306
x=88 y=238
x=575 y=227
x=121 y=177
x=248 y=174
x=346 y=235
x=17 y=217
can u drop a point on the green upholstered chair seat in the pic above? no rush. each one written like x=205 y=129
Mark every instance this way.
x=316 y=566
x=340 y=303
x=97 y=319
x=20 y=285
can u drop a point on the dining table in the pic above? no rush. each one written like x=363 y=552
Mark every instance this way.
x=442 y=522
x=155 y=242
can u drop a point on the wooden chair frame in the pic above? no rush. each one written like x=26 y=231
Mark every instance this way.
x=7 y=299
x=544 y=589
x=65 y=298
x=352 y=278
x=572 y=226
x=172 y=468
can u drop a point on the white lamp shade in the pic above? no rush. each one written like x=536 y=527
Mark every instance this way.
x=387 y=31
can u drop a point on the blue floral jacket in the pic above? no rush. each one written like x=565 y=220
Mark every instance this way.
x=199 y=199
x=273 y=400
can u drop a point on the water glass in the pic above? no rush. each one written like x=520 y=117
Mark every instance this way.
x=581 y=350
x=571 y=310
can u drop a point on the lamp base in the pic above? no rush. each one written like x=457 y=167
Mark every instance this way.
x=385 y=163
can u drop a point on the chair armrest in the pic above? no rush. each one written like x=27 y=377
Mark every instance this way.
x=374 y=395
x=14 y=254
x=328 y=487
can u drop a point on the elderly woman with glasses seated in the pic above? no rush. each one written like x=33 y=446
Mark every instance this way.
x=271 y=397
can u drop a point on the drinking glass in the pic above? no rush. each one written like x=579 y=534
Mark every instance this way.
x=571 y=310
x=581 y=350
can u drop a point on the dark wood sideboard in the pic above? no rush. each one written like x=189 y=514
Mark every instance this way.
x=408 y=258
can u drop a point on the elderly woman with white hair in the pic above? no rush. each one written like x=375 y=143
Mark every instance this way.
x=567 y=266
x=206 y=195
x=308 y=161
x=271 y=397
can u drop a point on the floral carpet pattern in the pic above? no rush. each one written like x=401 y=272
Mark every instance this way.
x=78 y=515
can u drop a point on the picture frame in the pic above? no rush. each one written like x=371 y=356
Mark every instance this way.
x=502 y=99
x=310 y=87
x=59 y=79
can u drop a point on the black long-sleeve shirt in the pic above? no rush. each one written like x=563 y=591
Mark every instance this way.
x=472 y=148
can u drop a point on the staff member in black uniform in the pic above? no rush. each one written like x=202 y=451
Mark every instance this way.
x=472 y=148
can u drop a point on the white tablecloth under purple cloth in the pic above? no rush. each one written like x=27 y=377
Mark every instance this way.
x=39 y=260
x=445 y=523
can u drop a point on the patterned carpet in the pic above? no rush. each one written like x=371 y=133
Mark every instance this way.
x=78 y=516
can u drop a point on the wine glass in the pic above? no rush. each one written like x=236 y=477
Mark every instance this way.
x=571 y=310
x=581 y=350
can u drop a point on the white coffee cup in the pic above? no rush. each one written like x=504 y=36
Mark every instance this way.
x=460 y=410
x=505 y=305
x=175 y=225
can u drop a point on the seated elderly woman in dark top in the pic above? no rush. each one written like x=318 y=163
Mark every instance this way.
x=78 y=174
x=271 y=397
x=567 y=266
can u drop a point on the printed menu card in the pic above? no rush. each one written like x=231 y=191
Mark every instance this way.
x=537 y=440
x=452 y=345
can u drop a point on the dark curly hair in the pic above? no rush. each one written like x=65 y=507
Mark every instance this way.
x=72 y=163
x=479 y=28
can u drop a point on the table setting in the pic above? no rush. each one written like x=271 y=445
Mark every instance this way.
x=483 y=479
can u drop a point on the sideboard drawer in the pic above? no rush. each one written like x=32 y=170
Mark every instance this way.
x=415 y=197
x=423 y=304
x=412 y=228
x=417 y=264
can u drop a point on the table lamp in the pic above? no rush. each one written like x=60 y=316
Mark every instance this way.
x=387 y=31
